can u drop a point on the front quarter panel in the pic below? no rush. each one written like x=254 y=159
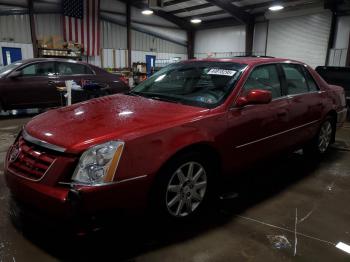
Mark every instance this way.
x=147 y=154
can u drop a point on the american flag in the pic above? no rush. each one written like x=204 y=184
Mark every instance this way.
x=81 y=24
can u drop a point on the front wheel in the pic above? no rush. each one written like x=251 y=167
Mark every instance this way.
x=183 y=187
x=320 y=144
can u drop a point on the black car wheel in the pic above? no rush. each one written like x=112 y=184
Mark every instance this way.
x=183 y=187
x=319 y=145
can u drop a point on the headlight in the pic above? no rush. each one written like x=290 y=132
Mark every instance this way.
x=98 y=164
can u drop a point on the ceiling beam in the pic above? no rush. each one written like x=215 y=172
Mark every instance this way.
x=219 y=12
x=217 y=23
x=182 y=23
x=191 y=8
x=241 y=16
x=10 y=5
x=175 y=2
x=268 y=4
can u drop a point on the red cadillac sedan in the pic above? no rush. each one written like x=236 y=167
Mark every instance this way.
x=164 y=143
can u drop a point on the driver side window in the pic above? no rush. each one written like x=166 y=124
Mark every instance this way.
x=264 y=77
x=39 y=69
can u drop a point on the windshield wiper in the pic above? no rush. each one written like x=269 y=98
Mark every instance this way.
x=161 y=97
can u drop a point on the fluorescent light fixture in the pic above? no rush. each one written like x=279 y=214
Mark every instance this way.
x=275 y=7
x=147 y=12
x=196 y=21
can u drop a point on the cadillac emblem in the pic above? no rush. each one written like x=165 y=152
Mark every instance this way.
x=14 y=154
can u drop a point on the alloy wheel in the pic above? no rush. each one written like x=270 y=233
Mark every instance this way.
x=325 y=136
x=186 y=189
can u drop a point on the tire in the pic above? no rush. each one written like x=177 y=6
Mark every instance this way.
x=183 y=187
x=319 y=145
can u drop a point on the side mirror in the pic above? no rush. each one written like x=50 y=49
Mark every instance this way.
x=15 y=74
x=254 y=96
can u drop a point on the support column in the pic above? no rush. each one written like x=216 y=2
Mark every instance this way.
x=32 y=28
x=347 y=62
x=190 y=44
x=128 y=32
x=331 y=36
x=249 y=35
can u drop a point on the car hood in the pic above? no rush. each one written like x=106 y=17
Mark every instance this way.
x=117 y=117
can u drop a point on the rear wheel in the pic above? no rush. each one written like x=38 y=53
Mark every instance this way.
x=320 y=144
x=183 y=187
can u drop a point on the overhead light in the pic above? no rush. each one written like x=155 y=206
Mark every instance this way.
x=196 y=21
x=147 y=12
x=276 y=7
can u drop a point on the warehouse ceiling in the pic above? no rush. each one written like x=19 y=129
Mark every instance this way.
x=180 y=12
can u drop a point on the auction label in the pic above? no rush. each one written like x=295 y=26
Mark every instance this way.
x=221 y=72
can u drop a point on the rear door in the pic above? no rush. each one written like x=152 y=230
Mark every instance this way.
x=306 y=102
x=76 y=72
x=34 y=87
x=256 y=131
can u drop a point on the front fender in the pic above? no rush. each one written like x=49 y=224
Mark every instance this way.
x=149 y=153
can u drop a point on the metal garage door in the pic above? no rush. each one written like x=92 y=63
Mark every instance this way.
x=303 y=38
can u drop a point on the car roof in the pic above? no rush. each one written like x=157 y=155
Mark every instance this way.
x=31 y=60
x=247 y=60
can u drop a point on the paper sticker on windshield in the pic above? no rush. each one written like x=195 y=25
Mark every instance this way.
x=221 y=72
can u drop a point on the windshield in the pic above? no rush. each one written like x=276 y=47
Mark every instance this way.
x=204 y=84
x=7 y=69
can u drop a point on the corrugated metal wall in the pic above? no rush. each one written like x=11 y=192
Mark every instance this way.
x=15 y=28
x=146 y=42
x=303 y=38
x=113 y=35
x=27 y=50
x=220 y=41
x=140 y=56
x=48 y=25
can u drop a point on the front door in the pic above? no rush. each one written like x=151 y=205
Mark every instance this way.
x=256 y=131
x=34 y=88
x=11 y=55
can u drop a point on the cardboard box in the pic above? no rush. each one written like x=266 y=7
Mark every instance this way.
x=57 y=42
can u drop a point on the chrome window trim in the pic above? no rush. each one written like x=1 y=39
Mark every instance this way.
x=302 y=94
x=233 y=105
x=277 y=134
x=42 y=143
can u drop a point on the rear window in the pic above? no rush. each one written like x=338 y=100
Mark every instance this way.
x=73 y=69
x=296 y=82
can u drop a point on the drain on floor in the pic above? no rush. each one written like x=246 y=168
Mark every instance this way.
x=279 y=241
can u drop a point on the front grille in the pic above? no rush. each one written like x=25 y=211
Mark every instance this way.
x=28 y=160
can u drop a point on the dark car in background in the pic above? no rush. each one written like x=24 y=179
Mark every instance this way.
x=33 y=83
x=336 y=75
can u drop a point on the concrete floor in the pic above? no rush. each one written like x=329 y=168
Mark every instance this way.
x=294 y=209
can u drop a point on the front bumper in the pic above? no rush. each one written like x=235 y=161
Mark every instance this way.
x=341 y=117
x=67 y=202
